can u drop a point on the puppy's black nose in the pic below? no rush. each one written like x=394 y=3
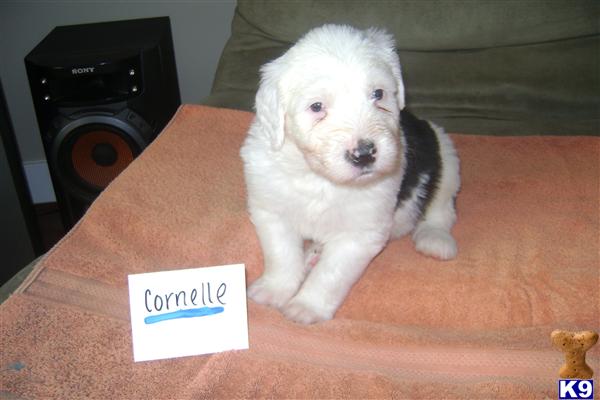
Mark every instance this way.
x=363 y=155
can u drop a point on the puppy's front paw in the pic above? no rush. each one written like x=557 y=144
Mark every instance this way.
x=272 y=292
x=435 y=242
x=305 y=313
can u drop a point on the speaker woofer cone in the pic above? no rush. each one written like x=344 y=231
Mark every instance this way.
x=91 y=152
x=99 y=155
x=105 y=154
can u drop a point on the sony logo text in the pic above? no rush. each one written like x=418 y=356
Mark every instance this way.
x=84 y=70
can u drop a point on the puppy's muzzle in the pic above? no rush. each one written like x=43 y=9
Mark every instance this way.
x=363 y=155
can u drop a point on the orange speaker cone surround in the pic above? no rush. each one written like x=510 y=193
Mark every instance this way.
x=98 y=156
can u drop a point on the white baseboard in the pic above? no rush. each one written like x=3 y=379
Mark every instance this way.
x=39 y=181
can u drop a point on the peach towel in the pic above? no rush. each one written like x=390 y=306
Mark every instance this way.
x=413 y=327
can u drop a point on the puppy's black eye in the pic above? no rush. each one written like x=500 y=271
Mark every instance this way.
x=377 y=94
x=316 y=107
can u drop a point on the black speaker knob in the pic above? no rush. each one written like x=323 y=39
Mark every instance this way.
x=104 y=154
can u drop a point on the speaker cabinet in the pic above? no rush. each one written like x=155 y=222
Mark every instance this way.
x=101 y=92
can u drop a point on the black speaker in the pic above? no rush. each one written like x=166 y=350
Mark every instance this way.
x=101 y=92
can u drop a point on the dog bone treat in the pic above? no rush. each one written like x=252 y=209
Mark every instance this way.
x=574 y=345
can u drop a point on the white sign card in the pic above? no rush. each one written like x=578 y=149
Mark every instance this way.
x=188 y=312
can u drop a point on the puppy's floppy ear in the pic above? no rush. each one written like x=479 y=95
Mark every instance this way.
x=386 y=44
x=269 y=108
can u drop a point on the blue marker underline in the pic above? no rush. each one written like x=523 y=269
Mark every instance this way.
x=190 y=313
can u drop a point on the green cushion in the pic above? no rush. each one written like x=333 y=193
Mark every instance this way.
x=490 y=67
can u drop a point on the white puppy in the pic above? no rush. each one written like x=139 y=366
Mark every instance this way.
x=330 y=158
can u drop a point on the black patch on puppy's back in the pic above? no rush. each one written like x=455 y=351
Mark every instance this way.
x=423 y=160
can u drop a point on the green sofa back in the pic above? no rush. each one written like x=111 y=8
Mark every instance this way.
x=487 y=67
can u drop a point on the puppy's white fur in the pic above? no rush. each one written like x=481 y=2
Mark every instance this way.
x=315 y=105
